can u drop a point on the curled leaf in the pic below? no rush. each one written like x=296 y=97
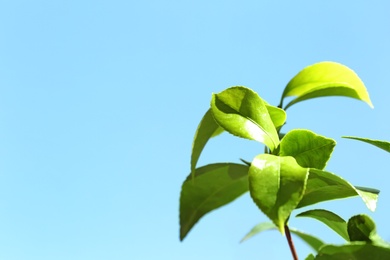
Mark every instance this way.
x=325 y=79
x=241 y=112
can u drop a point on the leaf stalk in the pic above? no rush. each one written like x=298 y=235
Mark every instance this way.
x=290 y=242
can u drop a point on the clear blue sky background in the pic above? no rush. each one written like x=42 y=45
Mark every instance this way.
x=99 y=102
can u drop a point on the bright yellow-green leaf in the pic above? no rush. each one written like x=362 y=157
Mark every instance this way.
x=309 y=149
x=276 y=185
x=325 y=79
x=278 y=115
x=214 y=185
x=241 y=112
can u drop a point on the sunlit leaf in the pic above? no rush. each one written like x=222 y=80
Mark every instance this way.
x=330 y=219
x=276 y=185
x=378 y=143
x=207 y=129
x=324 y=186
x=214 y=185
x=354 y=251
x=309 y=149
x=311 y=240
x=278 y=115
x=241 y=112
x=325 y=79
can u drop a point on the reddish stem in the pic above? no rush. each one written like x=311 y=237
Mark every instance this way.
x=290 y=243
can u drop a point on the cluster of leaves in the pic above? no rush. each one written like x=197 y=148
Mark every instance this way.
x=290 y=174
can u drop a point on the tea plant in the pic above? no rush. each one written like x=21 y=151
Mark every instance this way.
x=290 y=174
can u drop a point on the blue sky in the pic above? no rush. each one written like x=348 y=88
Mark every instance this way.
x=99 y=102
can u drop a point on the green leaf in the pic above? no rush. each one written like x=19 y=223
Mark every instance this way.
x=241 y=112
x=325 y=79
x=330 y=219
x=264 y=226
x=381 y=144
x=311 y=240
x=324 y=186
x=215 y=185
x=278 y=115
x=276 y=185
x=207 y=129
x=361 y=228
x=310 y=257
x=354 y=251
x=309 y=149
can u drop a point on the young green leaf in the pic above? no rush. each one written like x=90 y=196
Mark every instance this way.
x=311 y=240
x=325 y=79
x=378 y=143
x=309 y=149
x=324 y=186
x=355 y=251
x=362 y=228
x=215 y=185
x=241 y=112
x=276 y=185
x=330 y=219
x=278 y=115
x=207 y=129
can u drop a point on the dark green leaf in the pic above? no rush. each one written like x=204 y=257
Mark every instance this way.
x=309 y=149
x=330 y=219
x=381 y=144
x=324 y=186
x=312 y=241
x=207 y=128
x=362 y=228
x=241 y=112
x=354 y=251
x=277 y=185
x=325 y=79
x=214 y=185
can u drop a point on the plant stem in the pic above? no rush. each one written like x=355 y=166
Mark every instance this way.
x=290 y=242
